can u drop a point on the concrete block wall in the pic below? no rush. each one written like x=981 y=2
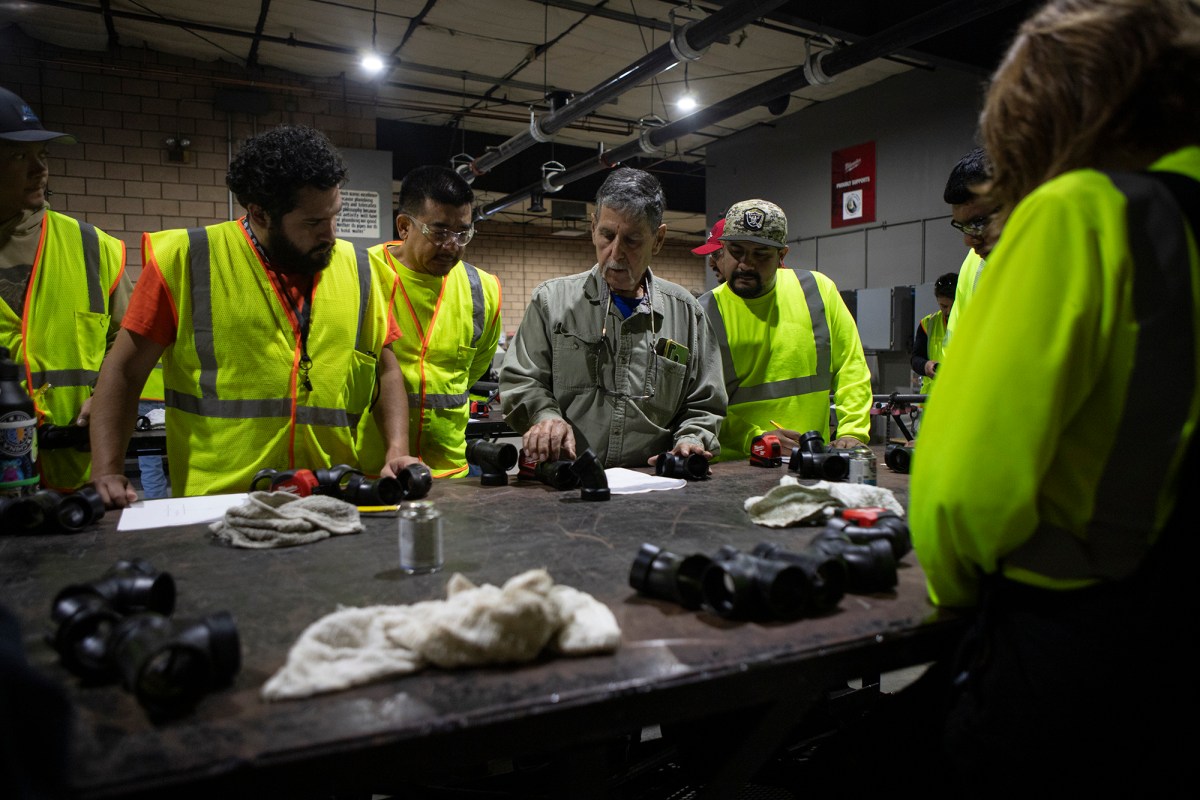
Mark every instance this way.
x=123 y=104
x=521 y=258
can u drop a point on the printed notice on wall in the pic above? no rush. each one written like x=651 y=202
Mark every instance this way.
x=853 y=185
x=360 y=214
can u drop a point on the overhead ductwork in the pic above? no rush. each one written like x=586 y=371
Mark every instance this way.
x=819 y=68
x=688 y=43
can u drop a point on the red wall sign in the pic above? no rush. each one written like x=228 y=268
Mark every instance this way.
x=853 y=185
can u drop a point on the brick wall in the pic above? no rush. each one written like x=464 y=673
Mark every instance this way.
x=521 y=260
x=123 y=104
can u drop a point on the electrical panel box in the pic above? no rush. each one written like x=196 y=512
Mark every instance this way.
x=850 y=298
x=885 y=318
x=924 y=304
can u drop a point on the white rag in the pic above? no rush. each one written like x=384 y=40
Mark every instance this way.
x=473 y=625
x=792 y=503
x=281 y=519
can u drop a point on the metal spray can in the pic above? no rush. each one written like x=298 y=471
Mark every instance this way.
x=863 y=466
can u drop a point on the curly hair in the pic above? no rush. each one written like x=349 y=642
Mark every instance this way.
x=269 y=169
x=1109 y=84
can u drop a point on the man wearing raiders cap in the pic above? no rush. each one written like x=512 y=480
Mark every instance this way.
x=63 y=290
x=787 y=341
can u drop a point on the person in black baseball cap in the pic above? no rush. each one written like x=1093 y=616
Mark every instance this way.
x=63 y=291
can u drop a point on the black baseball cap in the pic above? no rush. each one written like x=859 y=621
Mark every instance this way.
x=18 y=123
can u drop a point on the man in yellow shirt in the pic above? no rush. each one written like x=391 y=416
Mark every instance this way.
x=448 y=312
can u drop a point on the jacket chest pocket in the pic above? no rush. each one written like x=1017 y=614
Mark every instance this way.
x=574 y=361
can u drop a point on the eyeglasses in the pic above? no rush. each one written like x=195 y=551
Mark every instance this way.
x=443 y=236
x=974 y=227
x=945 y=283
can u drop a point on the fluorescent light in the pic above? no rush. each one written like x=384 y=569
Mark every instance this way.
x=686 y=103
x=372 y=64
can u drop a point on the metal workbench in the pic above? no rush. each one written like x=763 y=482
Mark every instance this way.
x=673 y=667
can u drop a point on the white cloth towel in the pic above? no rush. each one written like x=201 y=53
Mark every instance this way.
x=792 y=503
x=281 y=519
x=473 y=625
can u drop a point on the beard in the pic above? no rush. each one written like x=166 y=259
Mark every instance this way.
x=286 y=257
x=753 y=289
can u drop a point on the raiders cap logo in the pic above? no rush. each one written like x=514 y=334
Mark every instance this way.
x=753 y=219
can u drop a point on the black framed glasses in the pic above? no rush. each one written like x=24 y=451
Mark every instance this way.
x=443 y=236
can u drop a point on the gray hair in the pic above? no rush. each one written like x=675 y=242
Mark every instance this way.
x=634 y=192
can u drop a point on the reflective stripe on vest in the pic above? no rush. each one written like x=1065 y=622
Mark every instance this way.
x=91 y=268
x=821 y=380
x=1126 y=498
x=478 y=317
x=208 y=404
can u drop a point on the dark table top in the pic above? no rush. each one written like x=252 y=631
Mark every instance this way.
x=673 y=664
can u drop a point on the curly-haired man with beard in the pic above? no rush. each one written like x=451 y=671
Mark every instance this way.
x=271 y=340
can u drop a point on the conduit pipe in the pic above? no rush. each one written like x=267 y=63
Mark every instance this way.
x=688 y=42
x=819 y=68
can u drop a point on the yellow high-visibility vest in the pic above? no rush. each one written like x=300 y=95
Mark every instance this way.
x=236 y=398
x=60 y=337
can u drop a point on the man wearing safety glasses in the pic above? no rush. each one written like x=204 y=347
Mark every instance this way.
x=449 y=317
x=971 y=213
x=615 y=359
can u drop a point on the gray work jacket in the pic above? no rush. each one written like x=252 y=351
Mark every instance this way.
x=558 y=365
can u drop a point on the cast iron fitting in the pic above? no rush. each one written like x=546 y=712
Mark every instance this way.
x=888 y=528
x=555 y=474
x=898 y=457
x=494 y=459
x=826 y=574
x=593 y=481
x=870 y=567
x=169 y=665
x=86 y=613
x=416 y=481
x=819 y=466
x=667 y=576
x=693 y=467
x=741 y=586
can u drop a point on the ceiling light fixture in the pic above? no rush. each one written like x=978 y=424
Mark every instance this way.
x=371 y=61
x=687 y=101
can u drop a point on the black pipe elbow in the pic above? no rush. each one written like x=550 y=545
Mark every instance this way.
x=593 y=483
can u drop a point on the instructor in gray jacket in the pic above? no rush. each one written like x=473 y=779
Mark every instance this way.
x=613 y=358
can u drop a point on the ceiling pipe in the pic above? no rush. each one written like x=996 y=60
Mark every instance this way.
x=820 y=68
x=688 y=42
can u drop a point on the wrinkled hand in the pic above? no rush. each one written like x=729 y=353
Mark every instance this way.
x=847 y=443
x=931 y=368
x=684 y=449
x=115 y=491
x=549 y=440
x=392 y=468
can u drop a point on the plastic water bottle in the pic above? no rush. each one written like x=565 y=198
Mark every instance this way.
x=18 y=432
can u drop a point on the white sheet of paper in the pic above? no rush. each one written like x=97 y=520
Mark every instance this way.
x=172 y=511
x=628 y=481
